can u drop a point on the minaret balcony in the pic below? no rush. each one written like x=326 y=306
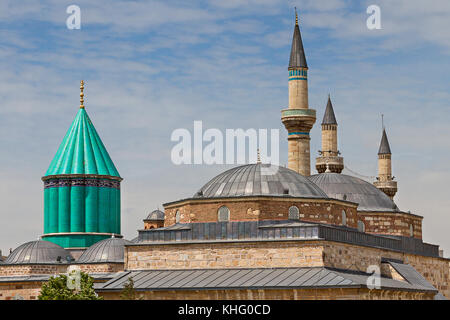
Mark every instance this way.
x=298 y=119
x=335 y=164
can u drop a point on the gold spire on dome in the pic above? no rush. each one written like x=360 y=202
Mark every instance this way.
x=258 y=160
x=81 y=94
x=296 y=16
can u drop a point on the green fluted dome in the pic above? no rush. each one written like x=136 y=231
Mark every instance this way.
x=82 y=151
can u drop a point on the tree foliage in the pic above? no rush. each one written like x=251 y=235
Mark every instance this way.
x=128 y=292
x=57 y=288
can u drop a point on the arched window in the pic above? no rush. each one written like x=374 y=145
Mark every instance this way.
x=361 y=226
x=177 y=217
x=294 y=213
x=223 y=214
x=411 y=230
x=344 y=218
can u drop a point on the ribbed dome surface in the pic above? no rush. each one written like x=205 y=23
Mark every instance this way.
x=82 y=151
x=36 y=252
x=155 y=215
x=107 y=250
x=259 y=179
x=368 y=197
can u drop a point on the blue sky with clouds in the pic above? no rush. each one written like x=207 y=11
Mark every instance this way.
x=153 y=66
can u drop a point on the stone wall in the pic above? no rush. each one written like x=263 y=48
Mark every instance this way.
x=392 y=223
x=271 y=254
x=37 y=269
x=264 y=208
x=26 y=290
x=272 y=294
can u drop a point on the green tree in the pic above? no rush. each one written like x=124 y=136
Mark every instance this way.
x=63 y=287
x=128 y=292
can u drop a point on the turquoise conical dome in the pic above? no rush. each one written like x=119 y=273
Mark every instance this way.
x=81 y=188
x=82 y=151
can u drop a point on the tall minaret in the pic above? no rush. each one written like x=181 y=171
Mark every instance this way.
x=298 y=118
x=385 y=181
x=329 y=155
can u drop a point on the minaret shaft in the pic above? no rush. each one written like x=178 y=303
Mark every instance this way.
x=298 y=118
x=329 y=155
x=385 y=181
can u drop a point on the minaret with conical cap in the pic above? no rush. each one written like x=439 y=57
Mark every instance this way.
x=329 y=153
x=298 y=118
x=81 y=188
x=385 y=181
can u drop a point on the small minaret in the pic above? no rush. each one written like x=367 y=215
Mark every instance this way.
x=298 y=118
x=329 y=160
x=385 y=181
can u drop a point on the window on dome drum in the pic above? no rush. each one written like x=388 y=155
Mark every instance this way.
x=294 y=213
x=344 y=218
x=411 y=230
x=223 y=214
x=177 y=217
x=361 y=226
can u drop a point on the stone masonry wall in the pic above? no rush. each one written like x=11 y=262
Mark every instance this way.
x=242 y=209
x=392 y=223
x=285 y=294
x=271 y=254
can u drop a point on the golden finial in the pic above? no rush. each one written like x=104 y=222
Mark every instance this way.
x=296 y=16
x=258 y=160
x=81 y=94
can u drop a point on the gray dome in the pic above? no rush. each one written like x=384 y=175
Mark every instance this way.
x=38 y=252
x=260 y=180
x=368 y=197
x=107 y=250
x=155 y=215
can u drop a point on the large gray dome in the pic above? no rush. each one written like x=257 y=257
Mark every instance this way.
x=38 y=252
x=260 y=180
x=340 y=186
x=107 y=250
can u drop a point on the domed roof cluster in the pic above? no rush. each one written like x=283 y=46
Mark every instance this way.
x=39 y=252
x=260 y=180
x=155 y=215
x=107 y=250
x=344 y=187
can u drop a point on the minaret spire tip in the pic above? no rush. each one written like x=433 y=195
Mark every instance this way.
x=81 y=94
x=296 y=16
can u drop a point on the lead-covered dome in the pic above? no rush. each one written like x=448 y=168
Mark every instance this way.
x=260 y=180
x=39 y=252
x=156 y=215
x=107 y=250
x=344 y=187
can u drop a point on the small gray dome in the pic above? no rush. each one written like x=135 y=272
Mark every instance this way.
x=155 y=215
x=107 y=250
x=38 y=252
x=260 y=180
x=344 y=187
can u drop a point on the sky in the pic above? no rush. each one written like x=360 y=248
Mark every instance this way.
x=151 y=67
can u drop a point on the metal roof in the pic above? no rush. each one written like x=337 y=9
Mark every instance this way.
x=82 y=151
x=279 y=230
x=384 y=144
x=329 y=117
x=260 y=180
x=107 y=250
x=341 y=186
x=248 y=278
x=297 y=58
x=38 y=252
x=411 y=275
x=155 y=215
